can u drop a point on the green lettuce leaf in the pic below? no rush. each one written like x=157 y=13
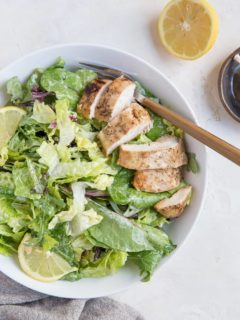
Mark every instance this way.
x=6 y=231
x=64 y=246
x=49 y=156
x=147 y=261
x=6 y=183
x=121 y=192
x=109 y=263
x=7 y=246
x=77 y=169
x=65 y=125
x=42 y=113
x=14 y=89
x=78 y=205
x=66 y=84
x=159 y=127
x=192 y=163
x=3 y=156
x=27 y=180
x=44 y=209
x=79 y=218
x=102 y=182
x=119 y=233
x=151 y=217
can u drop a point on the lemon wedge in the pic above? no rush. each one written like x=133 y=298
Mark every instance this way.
x=10 y=118
x=188 y=28
x=41 y=265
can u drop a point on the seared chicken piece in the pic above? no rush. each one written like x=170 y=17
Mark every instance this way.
x=91 y=97
x=166 y=152
x=158 y=180
x=174 y=206
x=124 y=127
x=117 y=97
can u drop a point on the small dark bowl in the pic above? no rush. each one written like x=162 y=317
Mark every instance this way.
x=229 y=85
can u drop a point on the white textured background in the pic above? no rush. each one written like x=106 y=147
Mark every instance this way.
x=203 y=280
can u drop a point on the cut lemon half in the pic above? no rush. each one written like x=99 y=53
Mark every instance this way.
x=188 y=28
x=10 y=118
x=41 y=265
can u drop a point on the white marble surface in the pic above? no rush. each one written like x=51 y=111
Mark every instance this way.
x=203 y=280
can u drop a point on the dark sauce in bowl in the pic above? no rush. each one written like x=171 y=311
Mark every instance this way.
x=229 y=84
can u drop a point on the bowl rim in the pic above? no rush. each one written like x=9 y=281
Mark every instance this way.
x=222 y=72
x=205 y=173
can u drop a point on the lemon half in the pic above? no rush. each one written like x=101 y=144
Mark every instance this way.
x=10 y=118
x=41 y=265
x=188 y=28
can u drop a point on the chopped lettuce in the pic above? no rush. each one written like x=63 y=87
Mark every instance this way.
x=101 y=182
x=42 y=113
x=109 y=263
x=65 y=125
x=79 y=218
x=119 y=233
x=147 y=261
x=79 y=201
x=121 y=192
x=49 y=156
x=14 y=89
x=3 y=156
x=192 y=163
x=66 y=84
x=27 y=181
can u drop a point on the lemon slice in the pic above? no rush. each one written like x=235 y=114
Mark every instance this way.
x=10 y=118
x=41 y=265
x=188 y=28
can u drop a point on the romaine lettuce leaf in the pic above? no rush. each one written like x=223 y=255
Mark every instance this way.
x=192 y=163
x=83 y=221
x=121 y=192
x=119 y=233
x=79 y=218
x=42 y=113
x=6 y=231
x=108 y=263
x=78 y=205
x=101 y=182
x=14 y=89
x=147 y=261
x=65 y=125
x=76 y=169
x=6 y=183
x=49 y=156
x=3 y=155
x=151 y=217
x=27 y=181
x=66 y=84
x=7 y=246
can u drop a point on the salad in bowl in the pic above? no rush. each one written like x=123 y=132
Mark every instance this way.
x=89 y=179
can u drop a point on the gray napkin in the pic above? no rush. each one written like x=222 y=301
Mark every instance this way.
x=20 y=303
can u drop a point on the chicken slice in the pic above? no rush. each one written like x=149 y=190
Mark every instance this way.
x=166 y=152
x=174 y=206
x=117 y=97
x=91 y=97
x=124 y=127
x=158 y=180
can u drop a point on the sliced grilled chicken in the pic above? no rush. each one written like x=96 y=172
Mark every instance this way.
x=174 y=206
x=158 y=180
x=124 y=127
x=166 y=152
x=91 y=97
x=117 y=97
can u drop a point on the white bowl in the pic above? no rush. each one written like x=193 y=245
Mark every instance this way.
x=161 y=87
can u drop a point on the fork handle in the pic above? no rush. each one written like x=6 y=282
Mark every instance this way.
x=225 y=149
